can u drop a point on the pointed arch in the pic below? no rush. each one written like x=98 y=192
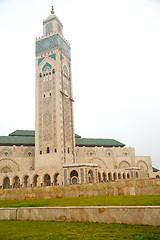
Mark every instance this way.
x=46 y=180
x=46 y=65
x=65 y=70
x=124 y=164
x=55 y=179
x=9 y=163
x=6 y=182
x=90 y=176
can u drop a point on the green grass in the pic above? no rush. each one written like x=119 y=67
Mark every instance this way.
x=19 y=230
x=150 y=200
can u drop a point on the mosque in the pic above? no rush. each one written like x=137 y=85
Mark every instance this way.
x=53 y=154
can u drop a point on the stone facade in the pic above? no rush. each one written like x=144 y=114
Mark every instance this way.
x=51 y=155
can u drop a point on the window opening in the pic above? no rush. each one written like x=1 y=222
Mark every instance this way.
x=29 y=154
x=47 y=149
x=6 y=154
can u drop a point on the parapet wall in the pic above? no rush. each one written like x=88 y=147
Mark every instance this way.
x=126 y=215
x=123 y=187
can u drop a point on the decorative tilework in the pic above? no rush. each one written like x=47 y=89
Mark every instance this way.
x=65 y=176
x=69 y=64
x=82 y=175
x=52 y=19
x=46 y=65
x=40 y=60
x=65 y=68
x=4 y=150
x=52 y=42
x=53 y=56
x=48 y=28
x=61 y=57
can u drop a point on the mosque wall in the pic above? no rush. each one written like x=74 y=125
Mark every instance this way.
x=94 y=164
x=16 y=158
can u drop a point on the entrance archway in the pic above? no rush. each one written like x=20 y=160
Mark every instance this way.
x=35 y=180
x=56 y=179
x=104 y=177
x=90 y=176
x=109 y=177
x=74 y=177
x=47 y=180
x=16 y=182
x=6 y=182
x=119 y=176
x=26 y=181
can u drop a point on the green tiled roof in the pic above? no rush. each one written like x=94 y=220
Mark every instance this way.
x=17 y=140
x=77 y=136
x=24 y=133
x=26 y=137
x=155 y=170
x=98 y=142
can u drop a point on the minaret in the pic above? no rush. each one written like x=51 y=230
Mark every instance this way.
x=54 y=131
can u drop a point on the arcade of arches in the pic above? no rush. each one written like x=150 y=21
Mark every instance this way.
x=47 y=179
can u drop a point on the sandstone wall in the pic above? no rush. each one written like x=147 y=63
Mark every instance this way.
x=125 y=215
x=123 y=187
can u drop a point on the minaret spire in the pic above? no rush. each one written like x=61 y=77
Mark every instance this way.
x=52 y=10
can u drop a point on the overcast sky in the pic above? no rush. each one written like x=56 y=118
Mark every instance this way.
x=115 y=50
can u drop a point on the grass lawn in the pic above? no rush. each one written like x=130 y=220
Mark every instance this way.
x=19 y=230
x=150 y=200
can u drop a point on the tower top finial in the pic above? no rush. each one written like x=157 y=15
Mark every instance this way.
x=52 y=11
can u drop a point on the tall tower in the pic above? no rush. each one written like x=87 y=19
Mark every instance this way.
x=54 y=130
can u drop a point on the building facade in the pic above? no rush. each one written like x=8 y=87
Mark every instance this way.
x=53 y=154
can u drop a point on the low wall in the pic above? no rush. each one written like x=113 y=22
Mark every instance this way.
x=127 y=215
x=123 y=187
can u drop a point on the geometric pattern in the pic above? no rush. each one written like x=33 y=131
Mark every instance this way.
x=51 y=43
x=46 y=65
